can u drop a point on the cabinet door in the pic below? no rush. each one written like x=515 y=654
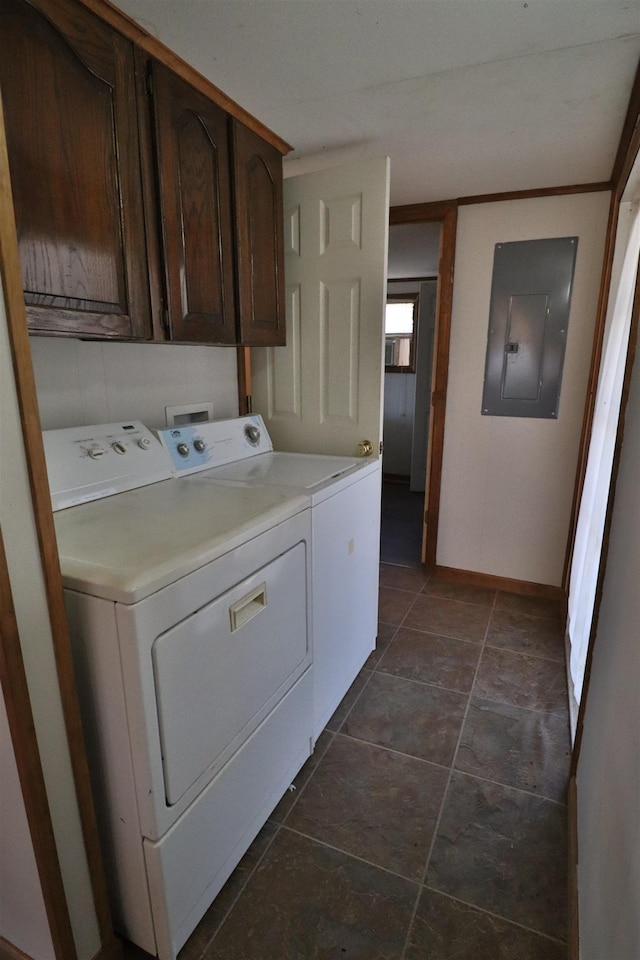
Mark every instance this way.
x=259 y=237
x=195 y=202
x=70 y=112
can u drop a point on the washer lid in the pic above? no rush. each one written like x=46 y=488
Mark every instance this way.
x=302 y=470
x=128 y=546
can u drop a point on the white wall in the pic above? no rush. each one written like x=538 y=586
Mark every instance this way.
x=82 y=382
x=608 y=775
x=29 y=598
x=23 y=920
x=507 y=483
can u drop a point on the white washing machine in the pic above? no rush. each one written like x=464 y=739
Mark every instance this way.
x=344 y=493
x=189 y=611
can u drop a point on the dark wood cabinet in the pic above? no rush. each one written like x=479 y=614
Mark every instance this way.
x=257 y=173
x=144 y=210
x=191 y=136
x=71 y=122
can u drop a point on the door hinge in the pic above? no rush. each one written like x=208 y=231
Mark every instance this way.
x=249 y=403
x=165 y=319
x=381 y=447
x=148 y=83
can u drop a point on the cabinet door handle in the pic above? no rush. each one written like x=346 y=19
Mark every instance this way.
x=248 y=607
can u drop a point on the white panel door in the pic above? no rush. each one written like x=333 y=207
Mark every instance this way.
x=322 y=393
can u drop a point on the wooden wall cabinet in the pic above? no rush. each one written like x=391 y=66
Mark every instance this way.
x=144 y=210
x=257 y=170
x=194 y=190
x=68 y=90
x=220 y=197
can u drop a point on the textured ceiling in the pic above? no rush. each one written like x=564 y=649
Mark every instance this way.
x=466 y=96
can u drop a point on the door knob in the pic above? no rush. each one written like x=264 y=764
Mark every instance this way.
x=365 y=448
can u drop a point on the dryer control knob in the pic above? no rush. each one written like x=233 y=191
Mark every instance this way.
x=199 y=445
x=183 y=449
x=144 y=443
x=96 y=451
x=119 y=447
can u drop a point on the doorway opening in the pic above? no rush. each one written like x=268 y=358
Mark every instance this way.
x=420 y=269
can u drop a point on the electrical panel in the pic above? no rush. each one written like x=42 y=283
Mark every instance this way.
x=528 y=321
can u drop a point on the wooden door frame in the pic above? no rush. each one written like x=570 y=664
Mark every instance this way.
x=13 y=682
x=628 y=150
x=626 y=157
x=12 y=673
x=445 y=213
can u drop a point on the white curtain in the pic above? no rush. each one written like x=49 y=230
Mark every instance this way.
x=593 y=505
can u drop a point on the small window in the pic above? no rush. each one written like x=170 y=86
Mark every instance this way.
x=399 y=333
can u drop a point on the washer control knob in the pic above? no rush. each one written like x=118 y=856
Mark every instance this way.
x=252 y=433
x=199 y=445
x=119 y=447
x=183 y=449
x=144 y=443
x=96 y=451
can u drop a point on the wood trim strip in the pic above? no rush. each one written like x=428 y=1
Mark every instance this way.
x=629 y=140
x=425 y=279
x=440 y=381
x=567 y=190
x=9 y=952
x=473 y=578
x=110 y=951
x=626 y=155
x=41 y=500
x=25 y=744
x=129 y=28
x=592 y=383
x=419 y=212
x=244 y=380
x=628 y=150
x=573 y=927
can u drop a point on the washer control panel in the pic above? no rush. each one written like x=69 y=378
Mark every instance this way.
x=195 y=447
x=86 y=463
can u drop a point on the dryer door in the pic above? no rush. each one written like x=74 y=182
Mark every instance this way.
x=219 y=673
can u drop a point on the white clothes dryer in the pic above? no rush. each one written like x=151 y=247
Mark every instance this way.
x=189 y=611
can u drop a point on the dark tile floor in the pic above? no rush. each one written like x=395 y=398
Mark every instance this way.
x=430 y=823
x=401 y=523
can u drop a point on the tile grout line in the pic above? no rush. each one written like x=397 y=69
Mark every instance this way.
x=498 y=916
x=278 y=827
x=397 y=753
x=420 y=884
x=509 y=786
x=448 y=784
x=282 y=825
x=332 y=736
x=522 y=653
x=202 y=956
x=354 y=856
